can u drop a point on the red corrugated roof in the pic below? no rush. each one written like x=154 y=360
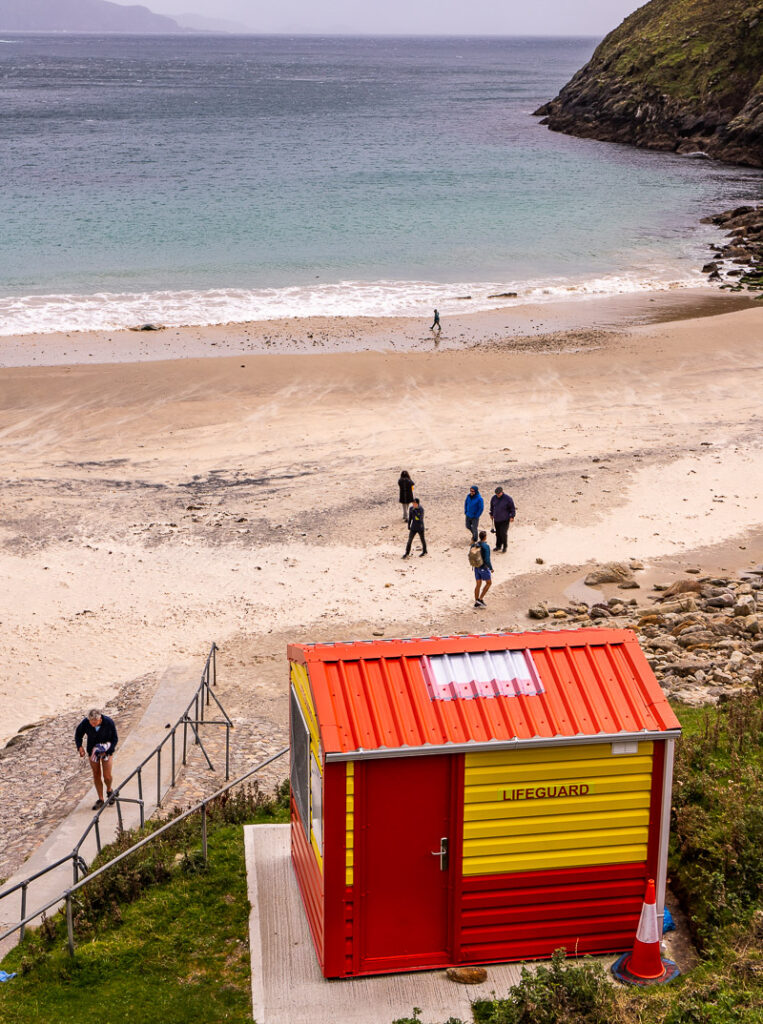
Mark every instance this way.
x=374 y=696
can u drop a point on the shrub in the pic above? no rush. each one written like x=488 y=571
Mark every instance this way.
x=564 y=992
x=716 y=865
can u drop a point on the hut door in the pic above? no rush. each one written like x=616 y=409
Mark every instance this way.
x=404 y=862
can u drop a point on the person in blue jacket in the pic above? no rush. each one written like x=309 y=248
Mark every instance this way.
x=473 y=509
x=99 y=733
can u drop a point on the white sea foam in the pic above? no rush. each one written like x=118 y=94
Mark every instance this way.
x=45 y=314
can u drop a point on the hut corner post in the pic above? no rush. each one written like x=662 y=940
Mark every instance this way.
x=662 y=860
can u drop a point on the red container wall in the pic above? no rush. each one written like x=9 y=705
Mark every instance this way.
x=310 y=881
x=338 y=896
x=493 y=918
x=530 y=914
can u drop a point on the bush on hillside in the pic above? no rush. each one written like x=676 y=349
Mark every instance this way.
x=562 y=992
x=716 y=863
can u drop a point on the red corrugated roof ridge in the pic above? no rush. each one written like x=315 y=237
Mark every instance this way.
x=371 y=695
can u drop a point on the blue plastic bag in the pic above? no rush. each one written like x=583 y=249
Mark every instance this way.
x=668 y=924
x=6 y=977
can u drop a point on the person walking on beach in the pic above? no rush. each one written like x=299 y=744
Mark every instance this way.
x=473 y=509
x=502 y=512
x=416 y=526
x=406 y=491
x=436 y=322
x=479 y=559
x=96 y=737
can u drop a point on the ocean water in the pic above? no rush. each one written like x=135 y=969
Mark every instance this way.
x=209 y=179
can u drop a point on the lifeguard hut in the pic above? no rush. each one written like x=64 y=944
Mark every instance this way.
x=469 y=799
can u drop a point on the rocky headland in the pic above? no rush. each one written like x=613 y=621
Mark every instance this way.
x=679 y=75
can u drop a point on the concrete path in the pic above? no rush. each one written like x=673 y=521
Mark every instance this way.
x=287 y=985
x=176 y=687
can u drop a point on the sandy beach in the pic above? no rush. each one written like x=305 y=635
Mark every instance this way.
x=152 y=507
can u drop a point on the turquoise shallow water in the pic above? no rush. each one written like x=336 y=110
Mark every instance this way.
x=200 y=180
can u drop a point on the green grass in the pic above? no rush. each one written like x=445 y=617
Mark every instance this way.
x=687 y=49
x=716 y=863
x=173 y=951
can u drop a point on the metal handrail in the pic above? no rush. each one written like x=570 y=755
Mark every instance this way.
x=201 y=806
x=208 y=678
x=201 y=696
x=36 y=875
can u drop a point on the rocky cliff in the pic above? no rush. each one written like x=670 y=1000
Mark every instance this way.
x=680 y=75
x=81 y=16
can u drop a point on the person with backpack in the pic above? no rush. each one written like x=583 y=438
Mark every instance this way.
x=405 y=484
x=416 y=526
x=473 y=509
x=479 y=559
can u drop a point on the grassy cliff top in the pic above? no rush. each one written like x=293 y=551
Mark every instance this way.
x=699 y=52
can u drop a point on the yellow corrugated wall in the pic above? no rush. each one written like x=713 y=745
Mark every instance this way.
x=301 y=684
x=513 y=823
x=349 y=841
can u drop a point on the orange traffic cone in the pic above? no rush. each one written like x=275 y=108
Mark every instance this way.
x=645 y=965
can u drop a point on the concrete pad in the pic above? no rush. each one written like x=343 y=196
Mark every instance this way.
x=175 y=689
x=287 y=984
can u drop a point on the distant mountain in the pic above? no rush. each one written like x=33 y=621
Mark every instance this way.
x=200 y=23
x=681 y=75
x=81 y=16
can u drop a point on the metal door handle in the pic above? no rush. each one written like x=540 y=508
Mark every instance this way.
x=442 y=853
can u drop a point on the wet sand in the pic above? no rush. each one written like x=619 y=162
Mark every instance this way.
x=559 y=324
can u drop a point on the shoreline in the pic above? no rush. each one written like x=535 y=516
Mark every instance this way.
x=568 y=323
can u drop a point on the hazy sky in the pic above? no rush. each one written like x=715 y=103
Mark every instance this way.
x=473 y=17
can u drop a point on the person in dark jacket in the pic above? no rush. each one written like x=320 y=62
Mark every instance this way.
x=416 y=526
x=474 y=506
x=96 y=737
x=483 y=574
x=406 y=491
x=502 y=512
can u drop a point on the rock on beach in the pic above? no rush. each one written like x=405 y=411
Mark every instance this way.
x=701 y=637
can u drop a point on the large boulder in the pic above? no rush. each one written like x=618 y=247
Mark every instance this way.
x=609 y=572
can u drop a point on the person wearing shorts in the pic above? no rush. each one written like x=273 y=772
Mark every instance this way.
x=99 y=733
x=483 y=574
